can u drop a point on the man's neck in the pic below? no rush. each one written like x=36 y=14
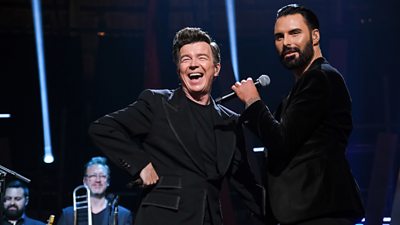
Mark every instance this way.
x=300 y=71
x=201 y=100
x=98 y=203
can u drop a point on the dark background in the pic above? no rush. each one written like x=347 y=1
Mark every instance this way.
x=90 y=74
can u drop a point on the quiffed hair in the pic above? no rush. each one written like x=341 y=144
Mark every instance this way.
x=190 y=35
x=309 y=16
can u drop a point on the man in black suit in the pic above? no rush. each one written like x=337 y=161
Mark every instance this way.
x=308 y=177
x=180 y=143
x=104 y=211
x=14 y=203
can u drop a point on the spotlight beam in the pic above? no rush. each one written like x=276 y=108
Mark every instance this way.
x=37 y=21
x=230 y=12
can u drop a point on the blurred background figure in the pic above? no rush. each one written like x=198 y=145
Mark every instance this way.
x=16 y=198
x=97 y=179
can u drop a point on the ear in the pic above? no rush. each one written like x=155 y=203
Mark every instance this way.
x=315 y=36
x=26 y=201
x=217 y=68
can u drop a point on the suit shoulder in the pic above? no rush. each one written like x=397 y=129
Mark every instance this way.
x=150 y=93
x=68 y=210
x=123 y=210
x=31 y=221
x=157 y=91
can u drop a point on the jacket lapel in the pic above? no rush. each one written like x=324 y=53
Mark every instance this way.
x=225 y=139
x=178 y=115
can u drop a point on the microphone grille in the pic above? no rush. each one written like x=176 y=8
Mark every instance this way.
x=264 y=80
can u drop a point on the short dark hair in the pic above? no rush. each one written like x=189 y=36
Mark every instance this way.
x=190 y=35
x=19 y=184
x=97 y=160
x=308 y=15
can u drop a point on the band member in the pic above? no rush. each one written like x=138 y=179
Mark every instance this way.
x=97 y=179
x=16 y=199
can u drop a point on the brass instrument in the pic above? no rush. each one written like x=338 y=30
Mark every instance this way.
x=50 y=221
x=82 y=207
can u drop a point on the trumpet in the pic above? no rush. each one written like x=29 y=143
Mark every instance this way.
x=82 y=206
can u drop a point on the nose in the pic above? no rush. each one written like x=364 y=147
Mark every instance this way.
x=287 y=40
x=10 y=202
x=193 y=63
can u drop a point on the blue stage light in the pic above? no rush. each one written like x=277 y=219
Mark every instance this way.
x=37 y=21
x=230 y=12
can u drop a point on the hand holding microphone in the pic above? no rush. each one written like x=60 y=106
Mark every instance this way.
x=246 y=90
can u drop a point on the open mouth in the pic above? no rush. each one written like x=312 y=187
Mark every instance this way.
x=194 y=76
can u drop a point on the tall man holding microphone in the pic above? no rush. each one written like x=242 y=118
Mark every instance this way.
x=309 y=180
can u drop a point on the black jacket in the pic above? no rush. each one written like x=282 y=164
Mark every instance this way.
x=306 y=139
x=157 y=128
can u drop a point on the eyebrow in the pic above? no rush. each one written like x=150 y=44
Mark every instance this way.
x=197 y=55
x=295 y=30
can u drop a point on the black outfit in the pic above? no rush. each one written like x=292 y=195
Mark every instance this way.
x=24 y=220
x=308 y=176
x=192 y=148
x=101 y=218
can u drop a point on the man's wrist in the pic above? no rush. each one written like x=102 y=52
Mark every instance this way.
x=251 y=101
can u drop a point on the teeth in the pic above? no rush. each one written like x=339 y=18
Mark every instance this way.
x=193 y=75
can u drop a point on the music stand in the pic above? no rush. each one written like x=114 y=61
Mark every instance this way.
x=3 y=172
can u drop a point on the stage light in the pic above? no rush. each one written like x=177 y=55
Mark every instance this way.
x=48 y=158
x=37 y=22
x=384 y=220
x=258 y=149
x=230 y=12
x=5 y=115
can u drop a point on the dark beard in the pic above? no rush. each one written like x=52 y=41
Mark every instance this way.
x=13 y=214
x=303 y=60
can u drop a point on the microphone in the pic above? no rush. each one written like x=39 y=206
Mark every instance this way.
x=262 y=81
x=113 y=204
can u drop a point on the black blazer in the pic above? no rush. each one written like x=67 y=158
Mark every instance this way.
x=157 y=128
x=306 y=139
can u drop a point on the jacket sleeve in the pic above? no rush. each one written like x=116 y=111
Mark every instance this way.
x=304 y=111
x=119 y=134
